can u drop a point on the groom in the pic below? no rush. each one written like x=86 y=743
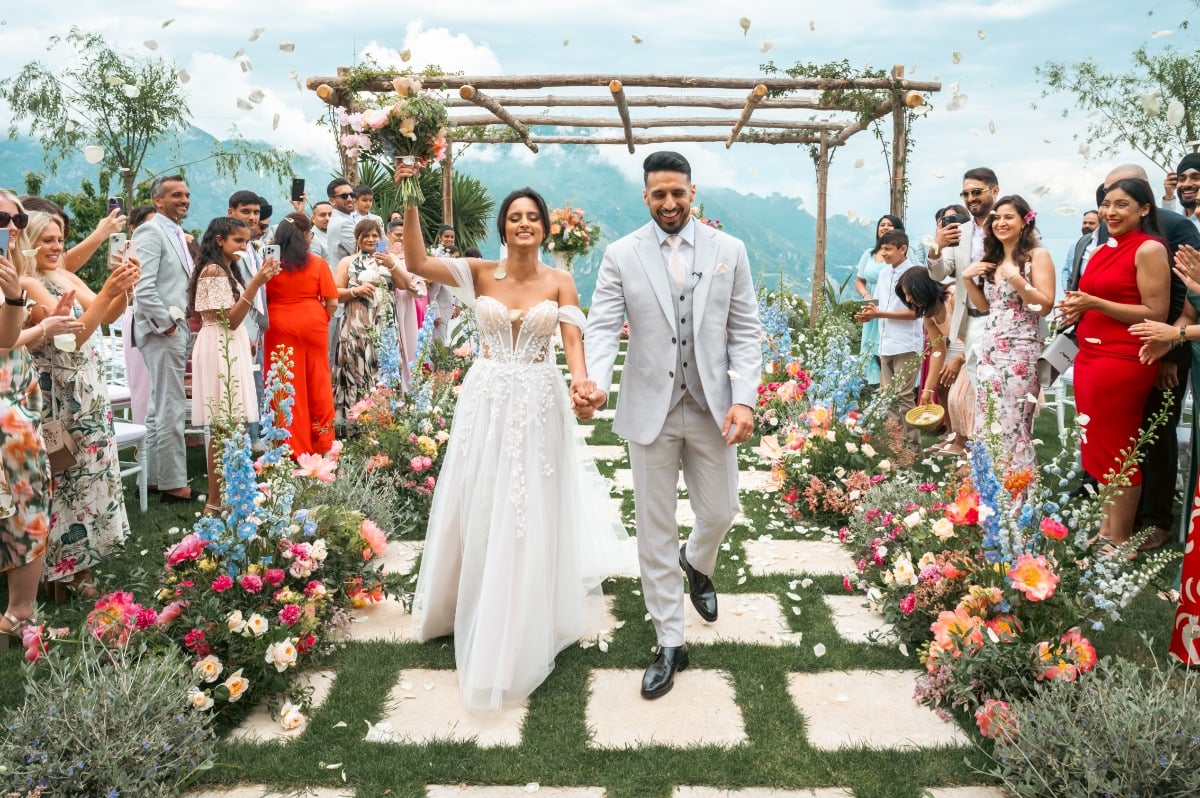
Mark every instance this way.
x=687 y=390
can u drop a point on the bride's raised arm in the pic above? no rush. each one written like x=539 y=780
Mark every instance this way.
x=415 y=258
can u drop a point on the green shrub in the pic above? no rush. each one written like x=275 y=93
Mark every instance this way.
x=106 y=721
x=1118 y=731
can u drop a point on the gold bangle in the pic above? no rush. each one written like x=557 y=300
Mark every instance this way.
x=242 y=298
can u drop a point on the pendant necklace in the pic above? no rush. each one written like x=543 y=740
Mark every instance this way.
x=500 y=273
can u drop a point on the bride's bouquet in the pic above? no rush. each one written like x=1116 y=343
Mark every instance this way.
x=411 y=127
x=570 y=234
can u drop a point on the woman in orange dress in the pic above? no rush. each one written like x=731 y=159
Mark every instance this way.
x=300 y=301
x=1126 y=282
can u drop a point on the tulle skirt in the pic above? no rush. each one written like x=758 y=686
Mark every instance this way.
x=216 y=373
x=521 y=533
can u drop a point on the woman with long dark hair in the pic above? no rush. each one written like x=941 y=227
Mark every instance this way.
x=1127 y=281
x=1018 y=291
x=222 y=363
x=302 y=299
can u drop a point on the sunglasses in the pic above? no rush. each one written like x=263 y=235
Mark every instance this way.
x=972 y=193
x=343 y=196
x=17 y=220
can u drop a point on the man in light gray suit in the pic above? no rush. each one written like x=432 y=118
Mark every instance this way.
x=161 y=331
x=687 y=389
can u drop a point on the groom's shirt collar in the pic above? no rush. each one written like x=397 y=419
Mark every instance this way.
x=688 y=233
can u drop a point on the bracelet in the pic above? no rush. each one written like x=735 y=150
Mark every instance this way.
x=242 y=298
x=43 y=326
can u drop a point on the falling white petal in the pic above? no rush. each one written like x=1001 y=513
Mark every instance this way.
x=957 y=102
x=131 y=91
x=851 y=214
x=1041 y=190
x=566 y=42
x=858 y=164
x=819 y=650
x=150 y=44
x=953 y=88
x=287 y=47
x=637 y=39
x=244 y=104
x=275 y=122
x=255 y=96
x=912 y=70
x=1158 y=34
x=812 y=25
x=1066 y=210
x=766 y=46
x=93 y=154
x=245 y=65
x=254 y=34
x=184 y=77
x=992 y=126
x=956 y=57
x=1174 y=113
x=1085 y=150
x=168 y=22
x=406 y=55
x=745 y=23
x=981 y=34
x=241 y=51
x=1151 y=103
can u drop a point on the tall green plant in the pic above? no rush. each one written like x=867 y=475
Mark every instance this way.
x=123 y=105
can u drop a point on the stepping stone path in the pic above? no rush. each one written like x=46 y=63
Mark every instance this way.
x=772 y=592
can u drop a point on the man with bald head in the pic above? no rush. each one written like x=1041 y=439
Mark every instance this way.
x=1160 y=460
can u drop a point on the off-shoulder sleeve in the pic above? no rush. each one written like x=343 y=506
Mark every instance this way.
x=214 y=293
x=465 y=281
x=571 y=314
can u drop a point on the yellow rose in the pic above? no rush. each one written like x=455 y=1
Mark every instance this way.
x=208 y=668
x=237 y=685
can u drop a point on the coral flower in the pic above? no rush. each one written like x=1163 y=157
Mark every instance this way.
x=373 y=537
x=965 y=509
x=1053 y=529
x=1033 y=577
x=316 y=466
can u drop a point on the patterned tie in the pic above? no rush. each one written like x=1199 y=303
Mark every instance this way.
x=187 y=255
x=675 y=263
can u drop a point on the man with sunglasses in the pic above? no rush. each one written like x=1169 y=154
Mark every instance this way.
x=957 y=246
x=340 y=235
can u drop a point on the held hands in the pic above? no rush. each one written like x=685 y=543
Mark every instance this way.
x=739 y=424
x=586 y=397
x=1073 y=306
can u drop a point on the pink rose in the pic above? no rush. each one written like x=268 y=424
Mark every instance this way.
x=374 y=118
x=190 y=548
x=1053 y=529
x=169 y=613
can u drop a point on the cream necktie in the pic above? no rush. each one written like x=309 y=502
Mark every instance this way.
x=675 y=263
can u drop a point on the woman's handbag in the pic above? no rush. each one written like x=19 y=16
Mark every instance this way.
x=1057 y=356
x=60 y=445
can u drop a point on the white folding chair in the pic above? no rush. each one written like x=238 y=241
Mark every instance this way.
x=128 y=435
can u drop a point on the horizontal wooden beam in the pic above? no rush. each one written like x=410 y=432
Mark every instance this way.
x=636 y=101
x=599 y=121
x=644 y=81
x=643 y=138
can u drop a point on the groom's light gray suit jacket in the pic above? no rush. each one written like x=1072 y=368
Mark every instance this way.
x=634 y=283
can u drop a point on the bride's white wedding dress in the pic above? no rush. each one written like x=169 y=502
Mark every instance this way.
x=521 y=529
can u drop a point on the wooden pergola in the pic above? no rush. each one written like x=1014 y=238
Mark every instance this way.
x=510 y=109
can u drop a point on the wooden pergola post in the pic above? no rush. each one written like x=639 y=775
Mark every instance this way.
x=899 y=146
x=448 y=187
x=818 y=286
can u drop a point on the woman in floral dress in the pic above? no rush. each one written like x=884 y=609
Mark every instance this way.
x=365 y=283
x=1017 y=289
x=88 y=509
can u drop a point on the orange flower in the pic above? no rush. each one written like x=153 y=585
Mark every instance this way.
x=964 y=511
x=1033 y=577
x=1017 y=481
x=957 y=632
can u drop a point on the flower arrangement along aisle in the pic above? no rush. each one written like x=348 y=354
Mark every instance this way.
x=994 y=578
x=825 y=443
x=698 y=215
x=571 y=234
x=250 y=595
x=410 y=124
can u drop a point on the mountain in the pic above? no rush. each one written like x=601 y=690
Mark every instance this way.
x=780 y=236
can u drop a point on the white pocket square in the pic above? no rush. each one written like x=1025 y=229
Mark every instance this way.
x=721 y=268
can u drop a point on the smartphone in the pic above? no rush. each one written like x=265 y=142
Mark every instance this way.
x=270 y=252
x=381 y=246
x=4 y=242
x=297 y=189
x=116 y=249
x=117 y=203
x=953 y=218
x=130 y=248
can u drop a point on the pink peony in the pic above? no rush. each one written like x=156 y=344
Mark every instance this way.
x=290 y=614
x=190 y=548
x=908 y=603
x=1053 y=529
x=316 y=466
x=274 y=576
x=314 y=588
x=169 y=613
x=222 y=583
x=251 y=583
x=145 y=618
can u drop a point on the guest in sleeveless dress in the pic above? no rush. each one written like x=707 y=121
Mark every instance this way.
x=1018 y=290
x=928 y=299
x=24 y=469
x=365 y=283
x=521 y=530
x=222 y=364
x=88 y=517
x=1126 y=281
x=303 y=298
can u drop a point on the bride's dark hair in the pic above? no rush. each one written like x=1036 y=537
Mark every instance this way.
x=526 y=193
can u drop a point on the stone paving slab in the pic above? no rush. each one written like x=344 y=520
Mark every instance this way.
x=401 y=555
x=619 y=717
x=260 y=727
x=759 y=792
x=608 y=452
x=766 y=557
x=747 y=480
x=978 y=791
x=584 y=431
x=426 y=705
x=259 y=791
x=755 y=618
x=844 y=709
x=855 y=622
x=507 y=791
x=685 y=516
x=608 y=413
x=388 y=621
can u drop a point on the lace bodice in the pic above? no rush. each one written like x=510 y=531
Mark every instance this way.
x=515 y=336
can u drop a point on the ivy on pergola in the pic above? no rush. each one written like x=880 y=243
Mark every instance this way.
x=837 y=109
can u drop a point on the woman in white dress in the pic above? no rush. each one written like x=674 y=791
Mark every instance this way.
x=521 y=529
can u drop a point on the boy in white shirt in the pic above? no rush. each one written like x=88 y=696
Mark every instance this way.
x=901 y=333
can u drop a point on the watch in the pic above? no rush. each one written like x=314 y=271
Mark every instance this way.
x=15 y=301
x=1183 y=332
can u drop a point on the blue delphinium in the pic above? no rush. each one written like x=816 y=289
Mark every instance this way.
x=777 y=336
x=997 y=547
x=389 y=356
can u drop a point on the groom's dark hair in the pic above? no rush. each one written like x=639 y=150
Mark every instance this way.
x=665 y=161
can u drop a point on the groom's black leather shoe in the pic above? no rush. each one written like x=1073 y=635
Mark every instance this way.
x=660 y=676
x=704 y=595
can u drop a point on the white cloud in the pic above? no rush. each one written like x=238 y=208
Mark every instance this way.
x=452 y=52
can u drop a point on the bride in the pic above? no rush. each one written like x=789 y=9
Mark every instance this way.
x=521 y=529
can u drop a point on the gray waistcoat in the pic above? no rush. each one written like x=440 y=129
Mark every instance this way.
x=687 y=374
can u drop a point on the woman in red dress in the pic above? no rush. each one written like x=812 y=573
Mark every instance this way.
x=1126 y=281
x=300 y=301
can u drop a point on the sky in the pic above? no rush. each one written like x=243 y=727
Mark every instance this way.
x=987 y=50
